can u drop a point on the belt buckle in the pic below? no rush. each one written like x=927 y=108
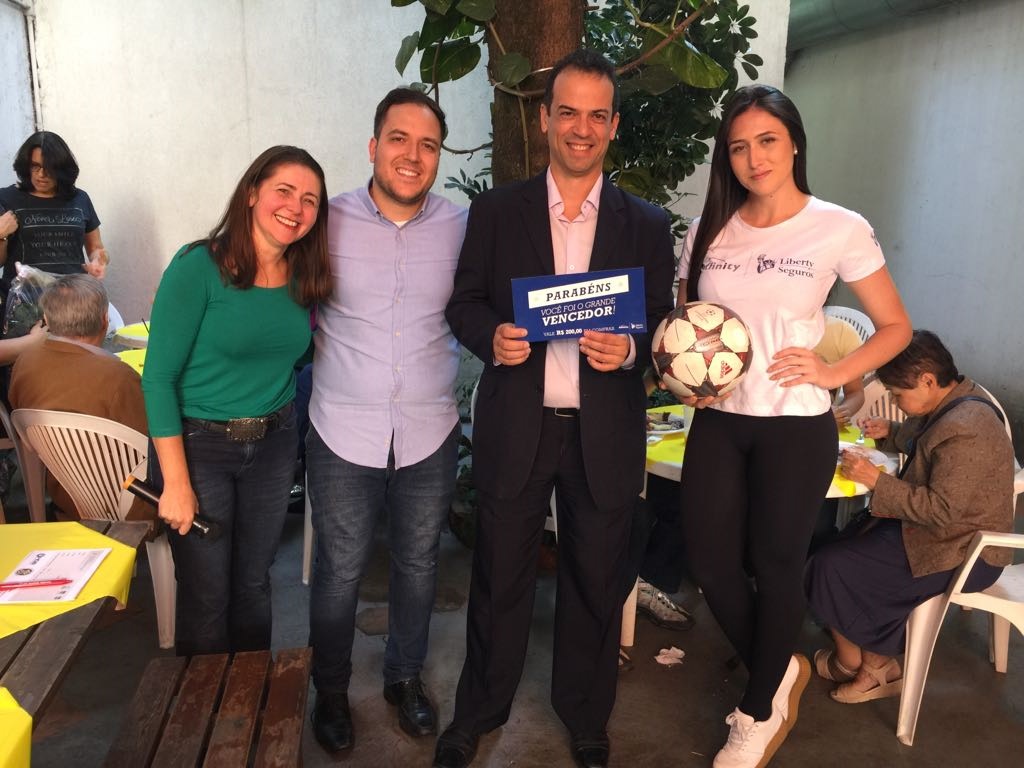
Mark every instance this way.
x=247 y=430
x=566 y=413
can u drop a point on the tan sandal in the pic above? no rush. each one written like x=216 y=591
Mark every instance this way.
x=847 y=694
x=829 y=667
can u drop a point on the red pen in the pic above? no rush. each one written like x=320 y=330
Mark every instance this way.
x=7 y=585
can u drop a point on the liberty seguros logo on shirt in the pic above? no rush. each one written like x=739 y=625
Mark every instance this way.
x=785 y=266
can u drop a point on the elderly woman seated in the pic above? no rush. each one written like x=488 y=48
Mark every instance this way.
x=957 y=479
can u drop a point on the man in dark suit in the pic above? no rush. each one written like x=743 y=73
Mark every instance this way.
x=563 y=414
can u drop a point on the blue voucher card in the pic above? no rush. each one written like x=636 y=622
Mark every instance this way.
x=563 y=306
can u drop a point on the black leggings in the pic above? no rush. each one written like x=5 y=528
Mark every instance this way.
x=751 y=490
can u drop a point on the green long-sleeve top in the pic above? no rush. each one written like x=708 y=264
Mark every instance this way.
x=216 y=351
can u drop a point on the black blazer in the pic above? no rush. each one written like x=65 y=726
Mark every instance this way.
x=509 y=235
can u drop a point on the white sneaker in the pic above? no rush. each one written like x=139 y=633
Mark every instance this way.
x=751 y=743
x=787 y=698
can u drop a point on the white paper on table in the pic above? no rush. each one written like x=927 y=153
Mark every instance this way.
x=45 y=564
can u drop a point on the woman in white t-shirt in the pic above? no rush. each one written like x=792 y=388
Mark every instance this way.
x=760 y=459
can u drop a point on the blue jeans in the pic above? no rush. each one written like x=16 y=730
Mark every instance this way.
x=224 y=585
x=347 y=500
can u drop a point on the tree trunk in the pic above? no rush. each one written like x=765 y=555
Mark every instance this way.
x=543 y=31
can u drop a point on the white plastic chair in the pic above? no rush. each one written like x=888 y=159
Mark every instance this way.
x=878 y=403
x=114 y=320
x=91 y=457
x=1004 y=600
x=860 y=322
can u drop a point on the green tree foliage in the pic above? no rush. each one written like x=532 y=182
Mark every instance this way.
x=677 y=62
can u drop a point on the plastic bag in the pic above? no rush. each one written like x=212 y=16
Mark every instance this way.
x=22 y=310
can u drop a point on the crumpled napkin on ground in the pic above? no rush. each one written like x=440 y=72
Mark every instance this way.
x=670 y=656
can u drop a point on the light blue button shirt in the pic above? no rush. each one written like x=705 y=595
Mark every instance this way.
x=386 y=360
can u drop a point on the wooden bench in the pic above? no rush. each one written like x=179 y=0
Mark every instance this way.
x=217 y=710
x=34 y=661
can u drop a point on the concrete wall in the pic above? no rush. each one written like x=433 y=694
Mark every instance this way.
x=772 y=22
x=16 y=114
x=917 y=126
x=165 y=104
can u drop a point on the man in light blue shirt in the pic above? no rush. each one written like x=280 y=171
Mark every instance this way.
x=384 y=425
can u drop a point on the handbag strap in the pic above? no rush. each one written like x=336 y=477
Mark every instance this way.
x=942 y=412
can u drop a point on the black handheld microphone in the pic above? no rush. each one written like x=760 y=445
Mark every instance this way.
x=204 y=529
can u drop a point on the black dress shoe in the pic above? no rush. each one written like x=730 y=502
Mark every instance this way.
x=455 y=749
x=416 y=715
x=590 y=751
x=332 y=722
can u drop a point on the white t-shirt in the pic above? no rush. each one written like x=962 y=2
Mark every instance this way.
x=777 y=279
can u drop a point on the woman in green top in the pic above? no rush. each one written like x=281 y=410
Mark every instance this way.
x=230 y=319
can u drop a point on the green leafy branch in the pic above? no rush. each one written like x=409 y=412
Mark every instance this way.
x=677 y=61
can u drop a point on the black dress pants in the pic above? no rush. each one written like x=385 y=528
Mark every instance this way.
x=592 y=549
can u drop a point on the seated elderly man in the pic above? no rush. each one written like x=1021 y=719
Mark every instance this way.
x=70 y=371
x=957 y=479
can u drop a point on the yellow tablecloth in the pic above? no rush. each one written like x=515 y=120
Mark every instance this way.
x=666 y=449
x=136 y=358
x=112 y=578
x=849 y=434
x=665 y=457
x=134 y=335
x=841 y=487
x=15 y=733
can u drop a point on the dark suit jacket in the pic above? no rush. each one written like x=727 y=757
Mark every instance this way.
x=509 y=235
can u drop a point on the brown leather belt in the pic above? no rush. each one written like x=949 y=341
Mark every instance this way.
x=245 y=430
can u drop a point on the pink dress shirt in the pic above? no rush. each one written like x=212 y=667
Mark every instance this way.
x=572 y=242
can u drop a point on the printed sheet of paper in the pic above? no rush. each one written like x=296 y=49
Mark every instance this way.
x=563 y=306
x=78 y=565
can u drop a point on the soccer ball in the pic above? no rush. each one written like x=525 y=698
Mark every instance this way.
x=701 y=349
